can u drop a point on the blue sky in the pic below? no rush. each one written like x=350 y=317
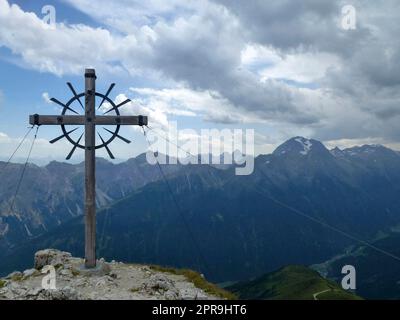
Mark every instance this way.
x=279 y=67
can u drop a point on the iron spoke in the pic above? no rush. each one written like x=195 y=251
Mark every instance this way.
x=106 y=95
x=74 y=147
x=63 y=135
x=118 y=136
x=63 y=105
x=69 y=84
x=105 y=145
x=118 y=106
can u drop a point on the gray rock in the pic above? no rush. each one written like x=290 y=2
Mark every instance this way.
x=14 y=275
x=101 y=269
x=81 y=282
x=193 y=293
x=66 y=293
x=158 y=283
x=30 y=272
x=106 y=281
x=19 y=291
x=65 y=272
x=70 y=293
x=34 y=292
x=101 y=283
x=50 y=257
x=171 y=295
x=12 y=285
x=189 y=294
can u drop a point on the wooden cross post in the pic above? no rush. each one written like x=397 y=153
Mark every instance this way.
x=90 y=169
x=89 y=120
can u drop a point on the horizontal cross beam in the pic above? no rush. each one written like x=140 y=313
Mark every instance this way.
x=36 y=119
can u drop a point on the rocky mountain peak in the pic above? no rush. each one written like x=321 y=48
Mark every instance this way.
x=110 y=280
x=337 y=152
x=368 y=149
x=300 y=146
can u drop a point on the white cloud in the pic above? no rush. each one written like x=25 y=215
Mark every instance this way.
x=66 y=49
x=162 y=47
x=186 y=102
x=224 y=61
x=46 y=97
x=302 y=67
x=4 y=137
x=255 y=54
x=42 y=147
x=126 y=15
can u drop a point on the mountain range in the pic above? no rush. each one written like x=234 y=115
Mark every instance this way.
x=53 y=194
x=303 y=204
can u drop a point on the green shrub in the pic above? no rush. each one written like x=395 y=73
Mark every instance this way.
x=198 y=281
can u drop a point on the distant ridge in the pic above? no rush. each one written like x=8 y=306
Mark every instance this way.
x=291 y=283
x=245 y=225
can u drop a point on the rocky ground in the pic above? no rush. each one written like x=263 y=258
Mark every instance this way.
x=112 y=280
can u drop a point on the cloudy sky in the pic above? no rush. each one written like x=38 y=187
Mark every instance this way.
x=284 y=68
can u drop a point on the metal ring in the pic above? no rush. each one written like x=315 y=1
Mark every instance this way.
x=78 y=145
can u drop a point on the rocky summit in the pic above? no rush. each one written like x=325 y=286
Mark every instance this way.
x=109 y=281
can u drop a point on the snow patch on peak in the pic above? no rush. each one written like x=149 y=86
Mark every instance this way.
x=306 y=144
x=364 y=149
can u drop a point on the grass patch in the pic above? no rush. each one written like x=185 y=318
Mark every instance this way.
x=75 y=272
x=2 y=283
x=134 y=290
x=198 y=281
x=59 y=266
x=17 y=277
